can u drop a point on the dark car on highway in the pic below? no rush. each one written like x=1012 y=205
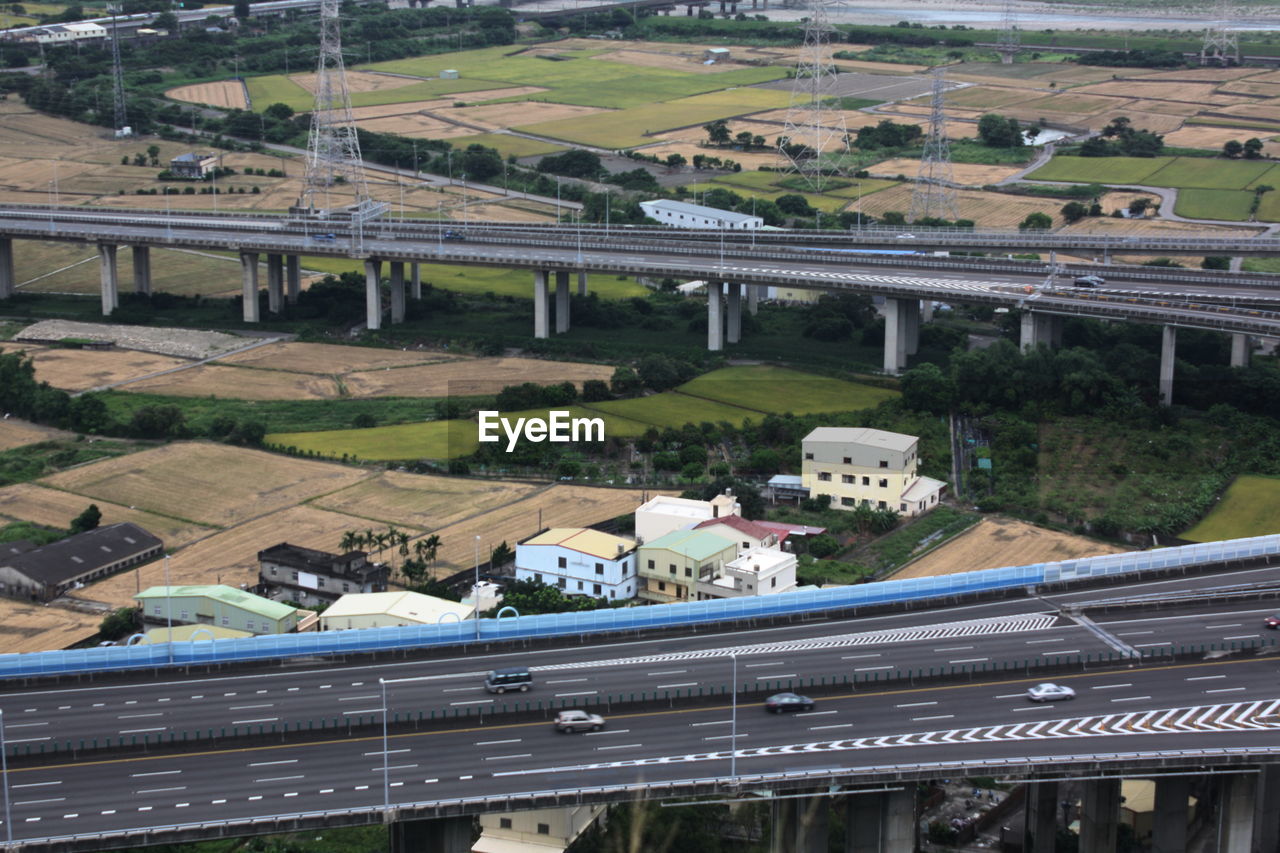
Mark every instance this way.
x=1272 y=621
x=780 y=703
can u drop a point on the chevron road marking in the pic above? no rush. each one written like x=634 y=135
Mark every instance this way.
x=1238 y=716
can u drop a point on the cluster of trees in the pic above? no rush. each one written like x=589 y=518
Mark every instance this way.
x=531 y=395
x=531 y=597
x=1121 y=138
x=417 y=556
x=997 y=131
x=656 y=372
x=835 y=317
x=887 y=134
x=1141 y=58
x=718 y=134
x=1074 y=211
x=1250 y=149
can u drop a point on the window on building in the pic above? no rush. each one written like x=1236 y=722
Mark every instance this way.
x=848 y=478
x=504 y=823
x=544 y=829
x=561 y=562
x=599 y=568
x=884 y=483
x=848 y=460
x=688 y=572
x=182 y=615
x=226 y=620
x=809 y=456
x=579 y=585
x=320 y=582
x=595 y=589
x=882 y=505
x=651 y=564
x=561 y=582
x=866 y=481
x=884 y=463
x=902 y=507
x=295 y=575
x=672 y=567
x=613 y=593
x=248 y=626
x=538 y=577
x=848 y=502
x=773 y=582
x=157 y=610
x=346 y=587
x=824 y=476
x=662 y=587
x=273 y=570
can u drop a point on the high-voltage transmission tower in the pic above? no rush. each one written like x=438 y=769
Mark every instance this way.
x=1009 y=41
x=934 y=194
x=815 y=125
x=120 y=123
x=1220 y=44
x=333 y=149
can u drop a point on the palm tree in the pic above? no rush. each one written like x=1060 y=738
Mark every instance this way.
x=431 y=547
x=350 y=540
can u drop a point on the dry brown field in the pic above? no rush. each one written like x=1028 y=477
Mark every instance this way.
x=501 y=116
x=54 y=508
x=1156 y=227
x=953 y=115
x=1155 y=122
x=329 y=359
x=229 y=556
x=993 y=209
x=1190 y=93
x=1265 y=110
x=982 y=97
x=479 y=376
x=997 y=542
x=970 y=174
x=1121 y=201
x=16 y=433
x=228 y=94
x=1207 y=136
x=1251 y=87
x=422 y=501
x=211 y=484
x=1172 y=108
x=80 y=370
x=416 y=126
x=891 y=68
x=1202 y=75
x=24 y=128
x=241 y=383
x=1072 y=103
x=513 y=211
x=36 y=628
x=560 y=506
x=68 y=268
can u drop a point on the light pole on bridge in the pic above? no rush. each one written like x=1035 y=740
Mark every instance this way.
x=4 y=771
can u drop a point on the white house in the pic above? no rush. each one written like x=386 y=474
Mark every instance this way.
x=737 y=529
x=386 y=609
x=681 y=214
x=664 y=514
x=538 y=831
x=759 y=571
x=580 y=561
x=67 y=33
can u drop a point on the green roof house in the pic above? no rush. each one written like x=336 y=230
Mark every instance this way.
x=216 y=604
x=671 y=565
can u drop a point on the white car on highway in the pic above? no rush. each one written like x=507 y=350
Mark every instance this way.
x=1050 y=692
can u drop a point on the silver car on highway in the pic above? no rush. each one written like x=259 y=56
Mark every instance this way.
x=578 y=721
x=1050 y=692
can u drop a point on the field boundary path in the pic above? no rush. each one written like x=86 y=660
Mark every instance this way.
x=194 y=363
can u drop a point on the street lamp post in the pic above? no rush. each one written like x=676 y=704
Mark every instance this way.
x=4 y=770
x=386 y=750
x=733 y=731
x=168 y=605
x=475 y=590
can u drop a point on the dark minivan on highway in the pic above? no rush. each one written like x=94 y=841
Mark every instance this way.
x=509 y=678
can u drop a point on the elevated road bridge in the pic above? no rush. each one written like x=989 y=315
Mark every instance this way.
x=736 y=266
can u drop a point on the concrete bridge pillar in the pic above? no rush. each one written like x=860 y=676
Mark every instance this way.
x=582 y=282
x=735 y=313
x=436 y=835
x=1100 y=815
x=1240 y=346
x=373 y=293
x=249 y=285
x=275 y=282
x=715 y=319
x=541 y=328
x=1168 y=351
x=110 y=277
x=293 y=279
x=926 y=311
x=8 y=281
x=397 y=291
x=1169 y=827
x=754 y=292
x=142 y=269
x=799 y=825
x=1266 y=823
x=901 y=329
x=883 y=822
x=415 y=275
x=1041 y=805
x=562 y=301
x=1039 y=328
x=1238 y=802
x=688 y=10
x=1056 y=322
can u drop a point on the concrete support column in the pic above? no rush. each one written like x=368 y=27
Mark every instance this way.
x=754 y=292
x=1055 y=330
x=110 y=277
x=8 y=280
x=880 y=822
x=373 y=293
x=783 y=822
x=1169 y=825
x=901 y=316
x=735 y=313
x=1100 y=815
x=541 y=328
x=1168 y=351
x=912 y=345
x=249 y=285
x=293 y=279
x=582 y=282
x=415 y=277
x=1240 y=346
x=141 y=269
x=1239 y=798
x=715 y=319
x=275 y=282
x=436 y=835
x=397 y=291
x=562 y=301
x=1041 y=804
x=926 y=311
x=1266 y=823
x=1039 y=328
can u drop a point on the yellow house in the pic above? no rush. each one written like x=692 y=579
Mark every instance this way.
x=672 y=565
x=858 y=465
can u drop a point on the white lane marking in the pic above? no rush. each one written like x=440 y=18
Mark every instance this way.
x=714 y=723
x=496 y=742
x=776 y=677
x=1011 y=696
x=1053 y=640
x=216 y=802
x=618 y=746
x=356 y=698
x=815 y=713
x=259 y=720
x=681 y=684
x=1205 y=677
x=38 y=802
x=138 y=731
x=377 y=710
x=1113 y=686
x=870 y=668
x=970 y=660
x=1231 y=625
x=833 y=726
x=135 y=716
x=181 y=805
x=1062 y=652
x=1227 y=690
x=34 y=785
x=916 y=704
x=280 y=778
x=159 y=790
x=859 y=657
x=668 y=672
x=69 y=816
x=326 y=790
x=155 y=773
x=388 y=752
x=567 y=680
x=29 y=739
x=474 y=702
x=145 y=808
x=23 y=725
x=506 y=757
x=1133 y=633
x=429 y=781
x=255 y=797
x=725 y=737
x=938 y=717
x=459 y=689
x=1131 y=699
x=465 y=778
x=579 y=693
x=1243 y=637
x=269 y=763
x=954 y=649
x=1147 y=645
x=109 y=811
x=766 y=663
x=610 y=732
x=251 y=707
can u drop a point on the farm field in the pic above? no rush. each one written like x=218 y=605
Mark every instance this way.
x=1247 y=508
x=968 y=174
x=228 y=94
x=1214 y=204
x=469 y=378
x=996 y=210
x=421 y=500
x=35 y=628
x=1200 y=173
x=326 y=359
x=510 y=145
x=998 y=541
x=427 y=440
x=241 y=383
x=80 y=370
x=675 y=409
x=212 y=484
x=767 y=389
x=48 y=267
x=55 y=508
x=1103 y=170
x=16 y=433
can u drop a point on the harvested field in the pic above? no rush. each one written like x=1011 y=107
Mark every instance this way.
x=990 y=209
x=985 y=97
x=508 y=144
x=23 y=128
x=36 y=628
x=329 y=358
x=1072 y=103
x=514 y=212
x=415 y=126
x=554 y=506
x=1163 y=107
x=996 y=542
x=80 y=370
x=504 y=115
x=228 y=94
x=422 y=501
x=1187 y=93
x=1201 y=75
x=971 y=174
x=479 y=376
x=230 y=556
x=1121 y=201
x=211 y=484
x=1266 y=111
x=16 y=433
x=1251 y=87
x=39 y=505
x=241 y=383
x=1208 y=136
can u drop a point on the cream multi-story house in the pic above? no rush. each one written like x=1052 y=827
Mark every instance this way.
x=858 y=465
x=671 y=565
